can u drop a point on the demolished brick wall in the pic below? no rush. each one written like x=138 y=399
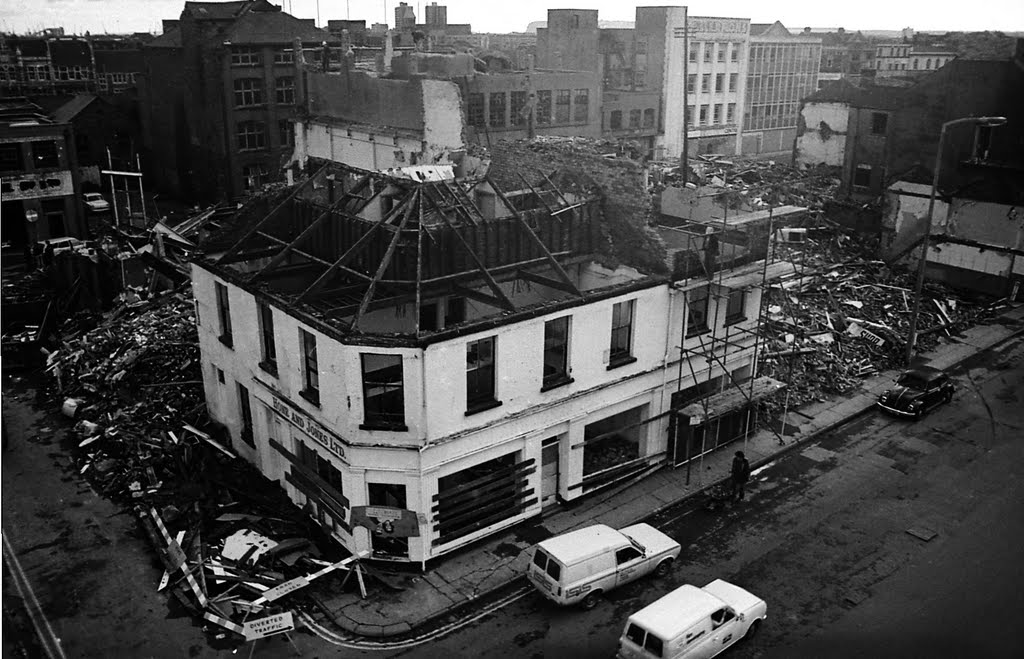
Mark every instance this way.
x=626 y=207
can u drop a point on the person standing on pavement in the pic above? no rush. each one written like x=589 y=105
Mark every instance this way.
x=740 y=474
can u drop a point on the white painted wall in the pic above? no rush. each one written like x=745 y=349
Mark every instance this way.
x=819 y=147
x=969 y=257
x=355 y=146
x=442 y=120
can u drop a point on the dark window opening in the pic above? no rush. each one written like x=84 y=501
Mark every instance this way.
x=45 y=155
x=428 y=317
x=697 y=310
x=480 y=374
x=734 y=307
x=310 y=370
x=246 y=409
x=455 y=311
x=612 y=441
x=649 y=118
x=268 y=350
x=615 y=122
x=383 y=391
x=11 y=159
x=224 y=314
x=862 y=176
x=556 y=352
x=622 y=332
x=879 y=122
x=634 y=118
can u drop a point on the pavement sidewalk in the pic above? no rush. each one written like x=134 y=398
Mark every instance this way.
x=501 y=560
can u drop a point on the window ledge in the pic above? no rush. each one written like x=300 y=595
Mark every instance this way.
x=621 y=361
x=312 y=397
x=554 y=384
x=696 y=333
x=733 y=321
x=482 y=406
x=269 y=367
x=384 y=425
x=227 y=340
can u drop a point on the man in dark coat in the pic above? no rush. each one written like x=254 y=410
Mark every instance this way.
x=740 y=474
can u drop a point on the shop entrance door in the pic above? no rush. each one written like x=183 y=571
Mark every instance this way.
x=549 y=472
x=390 y=495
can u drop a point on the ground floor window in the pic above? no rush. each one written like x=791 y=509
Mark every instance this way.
x=481 y=495
x=612 y=441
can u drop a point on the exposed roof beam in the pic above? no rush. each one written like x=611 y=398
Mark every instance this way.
x=386 y=261
x=546 y=281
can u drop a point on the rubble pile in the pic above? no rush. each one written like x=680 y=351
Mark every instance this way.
x=842 y=317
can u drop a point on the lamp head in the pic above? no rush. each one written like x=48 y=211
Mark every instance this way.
x=990 y=121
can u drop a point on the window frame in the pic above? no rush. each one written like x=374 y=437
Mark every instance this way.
x=375 y=417
x=697 y=323
x=248 y=92
x=268 y=344
x=224 y=314
x=559 y=376
x=251 y=135
x=310 y=367
x=581 y=105
x=857 y=171
x=481 y=390
x=284 y=90
x=544 y=109
x=563 y=106
x=620 y=352
x=732 y=315
x=246 y=57
x=496 y=105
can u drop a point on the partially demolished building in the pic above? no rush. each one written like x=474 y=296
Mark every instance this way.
x=434 y=359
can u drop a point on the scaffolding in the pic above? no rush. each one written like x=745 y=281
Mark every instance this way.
x=718 y=259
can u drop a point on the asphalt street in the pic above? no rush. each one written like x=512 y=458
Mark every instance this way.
x=822 y=537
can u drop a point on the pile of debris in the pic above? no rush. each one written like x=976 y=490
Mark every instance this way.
x=834 y=322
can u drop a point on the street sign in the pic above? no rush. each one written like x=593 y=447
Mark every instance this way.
x=278 y=592
x=275 y=624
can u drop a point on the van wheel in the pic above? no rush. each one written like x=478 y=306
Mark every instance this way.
x=590 y=601
x=663 y=568
x=752 y=630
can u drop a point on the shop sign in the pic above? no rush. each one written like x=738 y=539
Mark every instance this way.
x=275 y=624
x=310 y=426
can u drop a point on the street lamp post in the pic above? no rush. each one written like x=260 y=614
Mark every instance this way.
x=919 y=283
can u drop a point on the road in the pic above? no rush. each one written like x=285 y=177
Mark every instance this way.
x=822 y=537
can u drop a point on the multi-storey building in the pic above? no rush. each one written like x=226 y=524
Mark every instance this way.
x=219 y=94
x=436 y=15
x=844 y=55
x=44 y=65
x=783 y=70
x=39 y=175
x=421 y=362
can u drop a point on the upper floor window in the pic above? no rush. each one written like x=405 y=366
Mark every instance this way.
x=615 y=120
x=705 y=82
x=734 y=307
x=248 y=91
x=285 y=90
x=480 y=375
x=251 y=135
x=268 y=349
x=691 y=83
x=246 y=57
x=310 y=369
x=649 y=118
x=620 y=349
x=383 y=392
x=224 y=314
x=694 y=50
x=285 y=132
x=634 y=118
x=733 y=81
x=697 y=311
x=284 y=57
x=556 y=352
x=735 y=52
x=708 y=50
x=45 y=154
x=719 y=82
x=721 y=51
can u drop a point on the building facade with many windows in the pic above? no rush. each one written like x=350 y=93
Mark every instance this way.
x=783 y=70
x=423 y=363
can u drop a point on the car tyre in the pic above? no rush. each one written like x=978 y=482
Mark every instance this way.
x=752 y=630
x=590 y=601
x=663 y=568
x=949 y=397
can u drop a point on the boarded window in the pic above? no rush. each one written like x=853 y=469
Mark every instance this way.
x=480 y=496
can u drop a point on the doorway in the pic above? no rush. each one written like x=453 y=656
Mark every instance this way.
x=549 y=472
x=390 y=495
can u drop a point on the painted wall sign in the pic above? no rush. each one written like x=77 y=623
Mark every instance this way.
x=275 y=624
x=718 y=26
x=310 y=426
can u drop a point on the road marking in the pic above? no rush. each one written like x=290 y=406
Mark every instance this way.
x=51 y=644
x=353 y=642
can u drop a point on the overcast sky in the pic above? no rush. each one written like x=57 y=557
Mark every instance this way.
x=78 y=16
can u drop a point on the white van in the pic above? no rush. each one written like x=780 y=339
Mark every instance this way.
x=581 y=565
x=692 y=622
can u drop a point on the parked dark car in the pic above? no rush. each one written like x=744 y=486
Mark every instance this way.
x=917 y=391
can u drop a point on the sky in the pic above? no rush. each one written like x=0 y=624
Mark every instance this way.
x=99 y=16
